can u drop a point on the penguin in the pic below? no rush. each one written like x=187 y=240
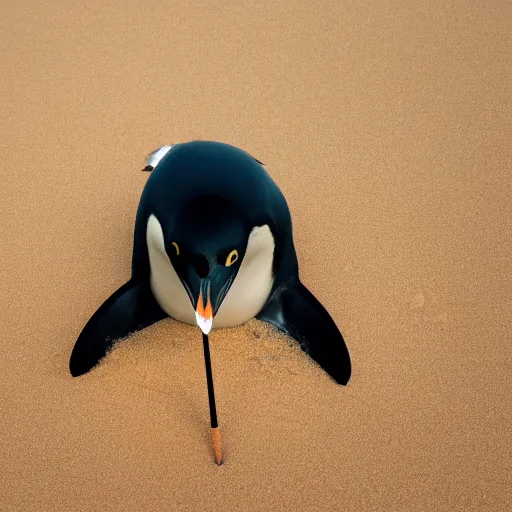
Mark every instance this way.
x=213 y=247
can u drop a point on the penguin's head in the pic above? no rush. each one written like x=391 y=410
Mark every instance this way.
x=206 y=247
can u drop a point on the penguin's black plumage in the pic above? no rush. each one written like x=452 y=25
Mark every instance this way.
x=213 y=244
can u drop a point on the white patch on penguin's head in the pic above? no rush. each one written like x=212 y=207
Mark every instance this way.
x=153 y=159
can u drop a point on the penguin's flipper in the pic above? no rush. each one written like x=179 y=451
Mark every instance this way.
x=131 y=308
x=296 y=311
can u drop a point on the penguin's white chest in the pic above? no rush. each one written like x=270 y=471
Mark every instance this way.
x=244 y=300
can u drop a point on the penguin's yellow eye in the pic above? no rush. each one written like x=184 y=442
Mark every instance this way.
x=177 y=247
x=233 y=256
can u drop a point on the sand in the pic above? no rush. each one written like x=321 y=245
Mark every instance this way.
x=388 y=127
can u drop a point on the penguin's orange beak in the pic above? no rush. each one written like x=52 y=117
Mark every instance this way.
x=204 y=311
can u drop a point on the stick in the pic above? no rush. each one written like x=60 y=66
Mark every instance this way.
x=217 y=448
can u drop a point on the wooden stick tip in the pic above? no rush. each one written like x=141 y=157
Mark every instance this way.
x=217 y=446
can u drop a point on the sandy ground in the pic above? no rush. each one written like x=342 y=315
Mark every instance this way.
x=388 y=127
